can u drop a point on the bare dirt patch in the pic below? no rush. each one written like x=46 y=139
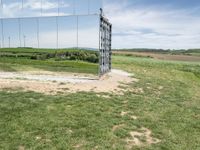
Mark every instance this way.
x=140 y=138
x=103 y=96
x=124 y=113
x=116 y=127
x=21 y=148
x=80 y=145
x=136 y=90
x=53 y=83
x=160 y=87
x=134 y=117
x=125 y=101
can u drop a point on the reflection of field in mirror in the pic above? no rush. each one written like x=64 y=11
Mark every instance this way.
x=65 y=60
x=64 y=43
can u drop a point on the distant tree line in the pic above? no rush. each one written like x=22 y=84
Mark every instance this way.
x=58 y=55
x=172 y=51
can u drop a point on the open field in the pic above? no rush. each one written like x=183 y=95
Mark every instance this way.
x=191 y=57
x=161 y=110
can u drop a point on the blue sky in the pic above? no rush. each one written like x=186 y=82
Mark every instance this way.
x=165 y=24
x=17 y=8
x=173 y=24
x=88 y=28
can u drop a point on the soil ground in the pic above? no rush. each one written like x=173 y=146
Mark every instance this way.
x=52 y=83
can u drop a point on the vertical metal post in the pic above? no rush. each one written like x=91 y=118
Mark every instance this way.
x=41 y=7
x=56 y=32
x=77 y=32
x=110 y=65
x=2 y=4
x=2 y=33
x=24 y=41
x=58 y=7
x=88 y=7
x=74 y=7
x=9 y=41
x=100 y=43
x=57 y=24
x=2 y=8
x=19 y=22
x=22 y=5
x=2 y=45
x=38 y=32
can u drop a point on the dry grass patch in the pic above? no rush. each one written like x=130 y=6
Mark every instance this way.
x=21 y=147
x=134 y=117
x=124 y=113
x=116 y=127
x=140 y=138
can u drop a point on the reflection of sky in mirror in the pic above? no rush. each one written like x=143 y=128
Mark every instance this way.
x=42 y=32
x=173 y=24
x=22 y=8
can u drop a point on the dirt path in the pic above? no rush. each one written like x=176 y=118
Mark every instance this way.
x=67 y=78
x=52 y=83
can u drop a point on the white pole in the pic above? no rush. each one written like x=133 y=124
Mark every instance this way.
x=88 y=7
x=2 y=33
x=9 y=41
x=58 y=7
x=41 y=9
x=74 y=7
x=19 y=22
x=38 y=32
x=77 y=33
x=24 y=41
x=2 y=8
x=22 y=5
x=57 y=32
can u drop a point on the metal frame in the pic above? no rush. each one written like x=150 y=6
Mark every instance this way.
x=105 y=44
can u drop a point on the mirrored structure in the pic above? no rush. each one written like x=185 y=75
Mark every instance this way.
x=57 y=24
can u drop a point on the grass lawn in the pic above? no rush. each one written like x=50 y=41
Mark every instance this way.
x=169 y=106
x=19 y=64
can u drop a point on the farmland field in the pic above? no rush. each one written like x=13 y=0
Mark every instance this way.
x=162 y=109
x=190 y=57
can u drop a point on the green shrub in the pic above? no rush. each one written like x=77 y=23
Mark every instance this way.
x=92 y=58
x=58 y=55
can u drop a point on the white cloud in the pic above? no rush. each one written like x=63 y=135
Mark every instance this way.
x=31 y=8
x=46 y=4
x=153 y=27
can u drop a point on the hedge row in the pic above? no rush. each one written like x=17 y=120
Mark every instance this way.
x=89 y=56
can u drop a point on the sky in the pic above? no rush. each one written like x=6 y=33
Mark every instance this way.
x=42 y=32
x=167 y=24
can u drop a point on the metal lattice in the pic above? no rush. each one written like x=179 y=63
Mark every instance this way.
x=105 y=46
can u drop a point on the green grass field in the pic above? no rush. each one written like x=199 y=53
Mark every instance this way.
x=66 y=60
x=169 y=106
